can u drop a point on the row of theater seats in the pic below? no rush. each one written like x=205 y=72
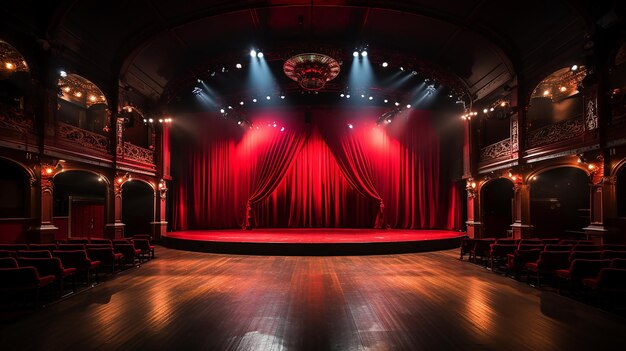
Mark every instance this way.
x=27 y=269
x=578 y=265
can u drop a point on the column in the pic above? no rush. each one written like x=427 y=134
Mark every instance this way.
x=474 y=226
x=521 y=227
x=44 y=230
x=159 y=226
x=114 y=229
x=596 y=229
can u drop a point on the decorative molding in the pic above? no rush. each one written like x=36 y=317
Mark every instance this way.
x=82 y=137
x=514 y=135
x=591 y=111
x=609 y=180
x=556 y=132
x=13 y=119
x=500 y=149
x=563 y=153
x=137 y=153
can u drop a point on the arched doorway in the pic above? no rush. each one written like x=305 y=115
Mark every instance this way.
x=496 y=198
x=137 y=207
x=559 y=202
x=79 y=204
x=14 y=201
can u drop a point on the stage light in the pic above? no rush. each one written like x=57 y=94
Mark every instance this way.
x=282 y=129
x=78 y=94
x=342 y=94
x=150 y=120
x=450 y=95
x=546 y=92
x=230 y=107
x=350 y=126
x=347 y=96
x=574 y=67
x=502 y=104
x=92 y=98
x=364 y=53
x=370 y=98
x=563 y=89
x=355 y=54
x=253 y=100
x=49 y=170
x=100 y=179
x=414 y=73
x=408 y=106
x=145 y=120
x=591 y=166
x=386 y=101
x=222 y=110
x=120 y=180
x=268 y=97
x=385 y=64
x=213 y=74
x=363 y=95
x=200 y=81
x=9 y=66
x=241 y=103
x=62 y=73
x=259 y=55
x=238 y=66
x=282 y=97
x=223 y=69
x=402 y=68
x=397 y=103
x=389 y=121
x=197 y=91
x=485 y=110
x=274 y=125
x=66 y=89
x=491 y=109
x=239 y=122
x=160 y=120
x=253 y=53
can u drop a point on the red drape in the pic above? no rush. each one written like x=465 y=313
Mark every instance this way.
x=320 y=175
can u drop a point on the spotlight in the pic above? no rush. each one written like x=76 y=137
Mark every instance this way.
x=282 y=97
x=363 y=95
x=364 y=53
x=347 y=96
x=222 y=110
x=402 y=68
x=342 y=95
x=414 y=73
x=502 y=104
x=145 y=120
x=574 y=67
x=430 y=90
x=213 y=74
x=200 y=81
x=389 y=121
x=563 y=89
x=241 y=103
x=268 y=97
x=370 y=98
x=485 y=110
x=62 y=73
x=78 y=94
x=239 y=122
x=350 y=126
x=150 y=120
x=160 y=120
x=282 y=129
x=197 y=91
x=92 y=98
x=355 y=54
x=491 y=109
x=230 y=107
x=253 y=53
x=546 y=92
x=385 y=64
x=9 y=66
x=397 y=103
x=408 y=106
x=253 y=100
x=238 y=66
x=259 y=55
x=386 y=101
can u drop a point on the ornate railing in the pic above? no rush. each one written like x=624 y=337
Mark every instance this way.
x=500 y=149
x=556 y=132
x=136 y=153
x=14 y=119
x=82 y=137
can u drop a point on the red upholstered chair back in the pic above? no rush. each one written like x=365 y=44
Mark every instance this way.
x=551 y=241
x=530 y=247
x=580 y=269
x=78 y=241
x=98 y=246
x=45 y=266
x=73 y=259
x=100 y=241
x=506 y=241
x=18 y=278
x=610 y=254
x=533 y=241
x=13 y=247
x=612 y=279
x=34 y=254
x=586 y=247
x=49 y=247
x=585 y=255
x=553 y=247
x=142 y=244
x=501 y=250
x=8 y=262
x=525 y=256
x=71 y=247
x=6 y=253
x=103 y=254
x=619 y=263
x=553 y=260
x=614 y=247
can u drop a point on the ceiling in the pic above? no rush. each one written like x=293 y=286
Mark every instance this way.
x=150 y=43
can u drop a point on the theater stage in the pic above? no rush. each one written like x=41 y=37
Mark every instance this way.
x=313 y=241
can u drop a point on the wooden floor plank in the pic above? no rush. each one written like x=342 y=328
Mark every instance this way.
x=422 y=301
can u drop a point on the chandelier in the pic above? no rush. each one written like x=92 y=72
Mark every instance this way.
x=311 y=70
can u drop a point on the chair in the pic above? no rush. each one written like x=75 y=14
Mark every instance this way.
x=8 y=262
x=555 y=247
x=98 y=246
x=147 y=250
x=71 y=247
x=619 y=263
x=517 y=262
x=51 y=266
x=78 y=259
x=547 y=264
x=614 y=247
x=142 y=236
x=100 y=241
x=78 y=241
x=13 y=247
x=585 y=255
x=506 y=241
x=610 y=254
x=34 y=254
x=49 y=247
x=481 y=248
x=530 y=247
x=586 y=247
x=129 y=252
x=550 y=241
x=23 y=280
x=499 y=252
x=532 y=241
x=581 y=269
x=6 y=253
x=610 y=280
x=466 y=246
x=106 y=256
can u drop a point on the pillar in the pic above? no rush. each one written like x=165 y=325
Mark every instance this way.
x=596 y=230
x=44 y=230
x=114 y=229
x=521 y=227
x=159 y=226
x=474 y=226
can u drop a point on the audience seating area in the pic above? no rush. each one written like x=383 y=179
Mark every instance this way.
x=29 y=270
x=573 y=266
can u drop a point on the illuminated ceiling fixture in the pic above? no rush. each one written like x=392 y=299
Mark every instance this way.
x=364 y=53
x=62 y=73
x=9 y=66
x=385 y=64
x=355 y=54
x=574 y=67
x=259 y=55
x=238 y=66
x=253 y=53
x=311 y=70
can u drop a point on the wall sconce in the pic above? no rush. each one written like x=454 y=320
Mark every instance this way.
x=120 y=179
x=470 y=187
x=162 y=188
x=50 y=171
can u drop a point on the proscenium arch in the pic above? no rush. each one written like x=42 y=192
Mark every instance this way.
x=537 y=172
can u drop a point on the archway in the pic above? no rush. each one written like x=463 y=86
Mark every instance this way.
x=82 y=104
x=496 y=198
x=14 y=202
x=137 y=207
x=79 y=204
x=560 y=202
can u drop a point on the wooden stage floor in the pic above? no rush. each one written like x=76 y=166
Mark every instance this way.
x=313 y=241
x=420 y=301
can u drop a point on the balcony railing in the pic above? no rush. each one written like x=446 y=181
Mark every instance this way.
x=82 y=137
x=136 y=153
x=497 y=150
x=556 y=132
x=15 y=120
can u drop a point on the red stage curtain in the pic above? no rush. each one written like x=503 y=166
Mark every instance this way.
x=335 y=178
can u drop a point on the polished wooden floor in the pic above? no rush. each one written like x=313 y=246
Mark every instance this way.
x=422 y=301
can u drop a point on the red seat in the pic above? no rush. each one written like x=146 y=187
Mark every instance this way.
x=51 y=266
x=610 y=280
x=8 y=262
x=585 y=247
x=78 y=241
x=49 y=247
x=6 y=253
x=581 y=269
x=481 y=248
x=13 y=247
x=619 y=263
x=550 y=241
x=17 y=281
x=506 y=241
x=517 y=261
x=78 y=259
x=100 y=241
x=71 y=247
x=555 y=247
x=34 y=254
x=129 y=252
x=614 y=247
x=532 y=241
x=610 y=254
x=548 y=263
x=585 y=255
x=499 y=252
x=106 y=256
x=466 y=246
x=145 y=248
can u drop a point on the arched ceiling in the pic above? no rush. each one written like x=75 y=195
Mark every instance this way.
x=486 y=43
